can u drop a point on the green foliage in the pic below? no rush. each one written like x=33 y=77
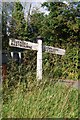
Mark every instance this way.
x=19 y=73
x=60 y=28
x=64 y=67
x=19 y=29
x=70 y=62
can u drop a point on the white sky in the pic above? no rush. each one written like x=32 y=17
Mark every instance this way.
x=39 y=0
x=33 y=6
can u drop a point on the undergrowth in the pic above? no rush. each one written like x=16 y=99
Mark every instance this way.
x=44 y=99
x=25 y=97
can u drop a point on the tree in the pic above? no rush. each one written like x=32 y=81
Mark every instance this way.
x=19 y=27
x=13 y=23
x=6 y=18
x=62 y=22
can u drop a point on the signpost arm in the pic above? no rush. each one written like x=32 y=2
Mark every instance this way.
x=39 y=58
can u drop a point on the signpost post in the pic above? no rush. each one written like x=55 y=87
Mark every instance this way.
x=39 y=48
x=39 y=59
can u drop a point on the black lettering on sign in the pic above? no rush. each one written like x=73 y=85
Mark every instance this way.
x=50 y=49
x=17 y=43
x=12 y=42
x=55 y=49
x=27 y=46
x=22 y=44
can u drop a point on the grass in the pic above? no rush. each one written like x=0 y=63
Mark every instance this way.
x=43 y=100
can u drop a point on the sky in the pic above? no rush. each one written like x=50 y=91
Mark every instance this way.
x=39 y=0
x=34 y=5
x=37 y=3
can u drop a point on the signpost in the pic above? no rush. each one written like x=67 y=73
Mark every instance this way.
x=22 y=44
x=39 y=48
x=53 y=50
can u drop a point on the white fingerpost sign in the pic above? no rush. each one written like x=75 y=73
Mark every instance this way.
x=39 y=48
x=53 y=50
x=22 y=44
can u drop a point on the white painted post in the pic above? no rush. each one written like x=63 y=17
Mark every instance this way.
x=12 y=54
x=39 y=58
x=19 y=53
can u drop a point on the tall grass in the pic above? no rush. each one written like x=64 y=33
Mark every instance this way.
x=41 y=100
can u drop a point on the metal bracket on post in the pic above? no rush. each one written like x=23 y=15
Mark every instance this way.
x=39 y=58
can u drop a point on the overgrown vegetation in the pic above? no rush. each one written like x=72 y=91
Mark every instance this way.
x=41 y=100
x=25 y=97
